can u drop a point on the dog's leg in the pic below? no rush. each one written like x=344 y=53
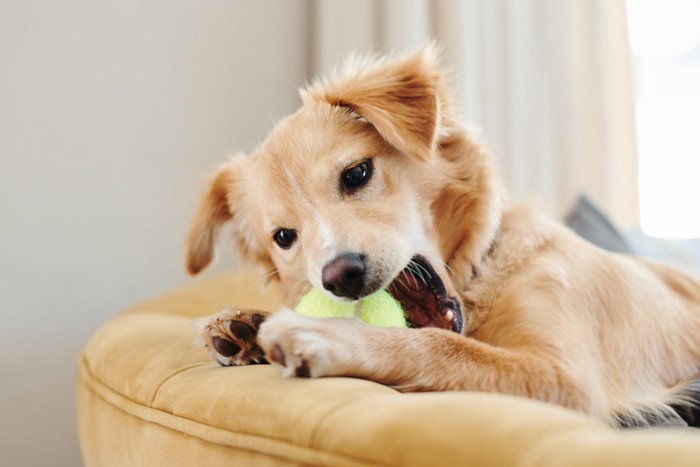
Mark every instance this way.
x=230 y=336
x=427 y=359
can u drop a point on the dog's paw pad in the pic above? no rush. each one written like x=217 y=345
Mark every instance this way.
x=225 y=347
x=230 y=337
x=242 y=331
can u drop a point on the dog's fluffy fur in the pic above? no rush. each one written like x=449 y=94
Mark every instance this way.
x=546 y=315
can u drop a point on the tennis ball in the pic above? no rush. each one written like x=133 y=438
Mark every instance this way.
x=378 y=309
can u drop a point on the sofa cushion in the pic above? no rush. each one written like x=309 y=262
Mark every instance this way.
x=591 y=223
x=147 y=395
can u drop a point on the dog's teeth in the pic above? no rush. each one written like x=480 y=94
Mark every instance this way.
x=449 y=315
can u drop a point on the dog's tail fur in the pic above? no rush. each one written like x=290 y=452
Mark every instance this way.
x=681 y=409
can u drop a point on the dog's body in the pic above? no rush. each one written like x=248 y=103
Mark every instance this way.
x=374 y=184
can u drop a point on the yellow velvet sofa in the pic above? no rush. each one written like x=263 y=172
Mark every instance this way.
x=148 y=396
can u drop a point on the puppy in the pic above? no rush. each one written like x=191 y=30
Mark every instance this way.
x=374 y=184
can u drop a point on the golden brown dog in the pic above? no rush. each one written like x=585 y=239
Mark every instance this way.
x=373 y=183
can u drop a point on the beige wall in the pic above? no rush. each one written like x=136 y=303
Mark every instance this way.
x=111 y=115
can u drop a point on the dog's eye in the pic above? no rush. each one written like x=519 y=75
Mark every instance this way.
x=357 y=176
x=285 y=237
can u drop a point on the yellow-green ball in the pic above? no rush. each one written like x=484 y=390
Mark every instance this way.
x=378 y=309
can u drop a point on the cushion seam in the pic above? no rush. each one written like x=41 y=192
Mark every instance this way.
x=168 y=378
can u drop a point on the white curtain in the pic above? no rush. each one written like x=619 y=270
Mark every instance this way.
x=548 y=82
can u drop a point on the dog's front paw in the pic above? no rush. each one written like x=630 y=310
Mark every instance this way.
x=307 y=347
x=230 y=336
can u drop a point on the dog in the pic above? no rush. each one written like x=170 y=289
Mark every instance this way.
x=374 y=183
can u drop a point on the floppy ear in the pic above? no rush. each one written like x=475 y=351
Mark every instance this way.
x=213 y=211
x=399 y=98
x=225 y=200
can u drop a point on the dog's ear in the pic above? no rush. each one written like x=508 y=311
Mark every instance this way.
x=211 y=214
x=223 y=201
x=399 y=98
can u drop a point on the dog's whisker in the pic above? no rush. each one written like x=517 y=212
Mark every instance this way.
x=401 y=282
x=268 y=273
x=411 y=266
x=293 y=292
x=449 y=270
x=418 y=272
x=413 y=276
x=422 y=268
x=409 y=277
x=438 y=260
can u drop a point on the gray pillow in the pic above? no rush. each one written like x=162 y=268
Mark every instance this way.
x=592 y=224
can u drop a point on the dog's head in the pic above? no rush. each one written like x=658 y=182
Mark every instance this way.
x=370 y=185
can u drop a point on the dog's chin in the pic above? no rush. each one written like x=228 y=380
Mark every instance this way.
x=424 y=297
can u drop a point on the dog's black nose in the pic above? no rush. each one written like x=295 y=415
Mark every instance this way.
x=345 y=275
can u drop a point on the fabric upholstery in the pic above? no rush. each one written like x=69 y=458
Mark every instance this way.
x=589 y=221
x=147 y=395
